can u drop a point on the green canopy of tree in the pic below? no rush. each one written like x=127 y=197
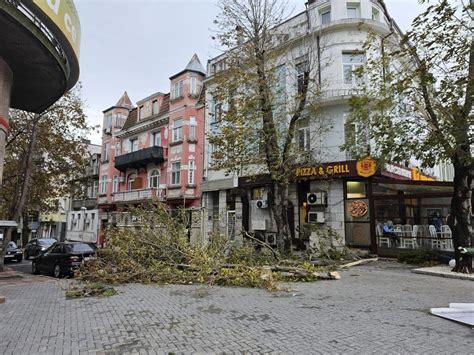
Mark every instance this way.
x=417 y=103
x=44 y=153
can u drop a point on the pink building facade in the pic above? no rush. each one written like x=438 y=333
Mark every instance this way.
x=158 y=150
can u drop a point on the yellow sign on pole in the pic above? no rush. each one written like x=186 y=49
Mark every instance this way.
x=64 y=15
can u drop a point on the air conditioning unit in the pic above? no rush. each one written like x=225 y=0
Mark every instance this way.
x=317 y=198
x=260 y=224
x=262 y=204
x=316 y=217
x=270 y=239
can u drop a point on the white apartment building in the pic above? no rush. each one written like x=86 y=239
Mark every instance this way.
x=345 y=198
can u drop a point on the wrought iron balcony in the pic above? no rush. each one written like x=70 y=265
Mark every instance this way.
x=137 y=195
x=140 y=158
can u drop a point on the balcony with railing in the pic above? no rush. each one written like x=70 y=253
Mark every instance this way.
x=139 y=158
x=137 y=195
x=89 y=203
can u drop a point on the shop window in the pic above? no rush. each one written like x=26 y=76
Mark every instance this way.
x=356 y=189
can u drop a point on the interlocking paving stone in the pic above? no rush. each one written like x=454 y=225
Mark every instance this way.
x=376 y=308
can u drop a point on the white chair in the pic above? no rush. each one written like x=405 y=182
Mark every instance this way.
x=436 y=241
x=398 y=230
x=411 y=241
x=383 y=240
x=407 y=230
x=448 y=235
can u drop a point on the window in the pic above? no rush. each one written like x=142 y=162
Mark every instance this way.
x=155 y=108
x=352 y=11
x=115 y=184
x=131 y=182
x=178 y=89
x=133 y=145
x=375 y=14
x=302 y=72
x=175 y=173
x=178 y=130
x=350 y=63
x=106 y=152
x=141 y=112
x=154 y=179
x=325 y=16
x=192 y=127
x=95 y=188
x=191 y=172
x=108 y=121
x=216 y=110
x=156 y=139
x=103 y=184
x=356 y=189
x=304 y=138
x=193 y=86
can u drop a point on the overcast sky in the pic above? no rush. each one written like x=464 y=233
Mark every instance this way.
x=137 y=45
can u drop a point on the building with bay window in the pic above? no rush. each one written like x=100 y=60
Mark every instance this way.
x=351 y=198
x=157 y=153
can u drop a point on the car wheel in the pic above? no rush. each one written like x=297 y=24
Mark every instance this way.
x=34 y=268
x=27 y=256
x=57 y=271
x=19 y=259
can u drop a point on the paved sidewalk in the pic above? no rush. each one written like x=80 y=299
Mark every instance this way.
x=377 y=308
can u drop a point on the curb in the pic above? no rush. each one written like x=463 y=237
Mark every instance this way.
x=440 y=274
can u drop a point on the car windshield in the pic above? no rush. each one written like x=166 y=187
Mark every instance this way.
x=12 y=245
x=46 y=242
x=79 y=248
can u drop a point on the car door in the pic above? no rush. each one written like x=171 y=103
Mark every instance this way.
x=50 y=257
x=30 y=248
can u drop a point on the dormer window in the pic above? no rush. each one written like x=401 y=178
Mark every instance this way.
x=155 y=108
x=193 y=86
x=141 y=112
x=178 y=89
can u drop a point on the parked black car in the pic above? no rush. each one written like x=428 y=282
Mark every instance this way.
x=61 y=259
x=13 y=253
x=35 y=246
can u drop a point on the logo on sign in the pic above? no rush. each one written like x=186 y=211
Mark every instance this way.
x=366 y=167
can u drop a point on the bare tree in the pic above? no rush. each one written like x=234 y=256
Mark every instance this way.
x=267 y=89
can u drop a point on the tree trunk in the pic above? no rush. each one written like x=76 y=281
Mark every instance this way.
x=22 y=189
x=279 y=205
x=460 y=216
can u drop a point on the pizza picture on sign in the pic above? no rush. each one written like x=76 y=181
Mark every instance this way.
x=358 y=209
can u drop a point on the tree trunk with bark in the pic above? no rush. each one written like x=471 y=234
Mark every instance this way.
x=279 y=206
x=460 y=216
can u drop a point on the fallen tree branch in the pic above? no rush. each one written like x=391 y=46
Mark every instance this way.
x=276 y=255
x=358 y=262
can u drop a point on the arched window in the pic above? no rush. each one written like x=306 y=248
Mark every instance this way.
x=154 y=178
x=131 y=181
